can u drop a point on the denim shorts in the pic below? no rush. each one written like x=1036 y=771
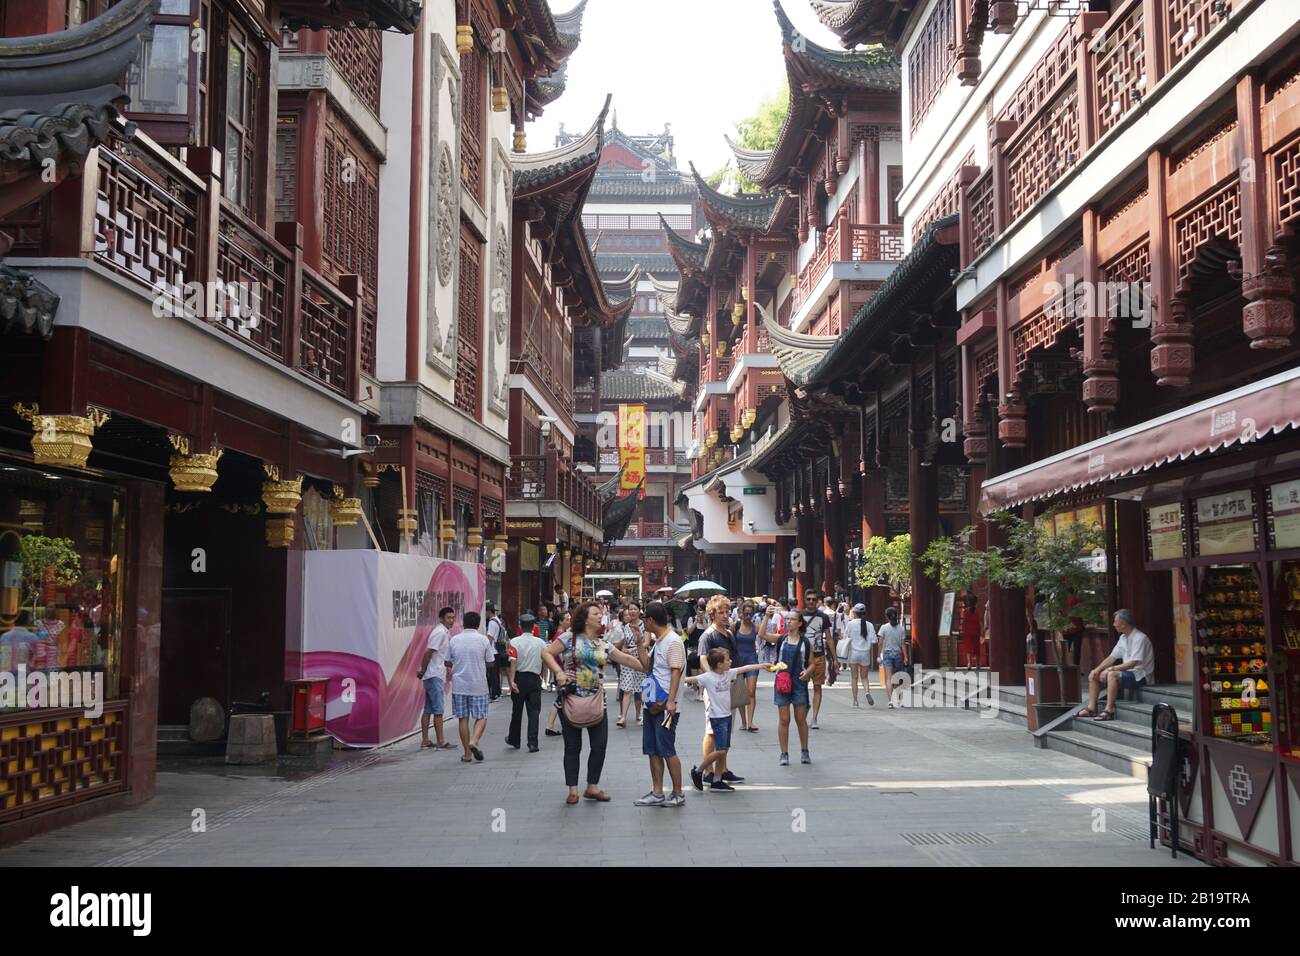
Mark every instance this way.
x=433 y=702
x=656 y=739
x=1128 y=681
x=798 y=697
x=893 y=659
x=721 y=732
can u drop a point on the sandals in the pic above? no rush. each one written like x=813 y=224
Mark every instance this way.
x=445 y=745
x=1085 y=712
x=1105 y=715
x=600 y=796
x=478 y=754
x=620 y=723
x=466 y=759
x=752 y=730
x=571 y=799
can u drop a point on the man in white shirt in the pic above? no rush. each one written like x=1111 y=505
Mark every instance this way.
x=525 y=681
x=470 y=653
x=665 y=658
x=1131 y=664
x=433 y=675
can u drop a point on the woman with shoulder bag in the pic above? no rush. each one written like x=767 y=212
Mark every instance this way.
x=893 y=651
x=746 y=634
x=794 y=658
x=578 y=662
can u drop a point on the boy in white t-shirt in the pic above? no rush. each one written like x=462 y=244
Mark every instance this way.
x=716 y=682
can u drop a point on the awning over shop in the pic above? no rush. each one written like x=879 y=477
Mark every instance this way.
x=1243 y=415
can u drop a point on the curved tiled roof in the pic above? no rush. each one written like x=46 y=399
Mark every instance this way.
x=863 y=21
x=651 y=263
x=743 y=212
x=811 y=68
x=620 y=291
x=652 y=327
x=752 y=162
x=400 y=15
x=25 y=304
x=639 y=384
x=687 y=253
x=796 y=353
x=537 y=171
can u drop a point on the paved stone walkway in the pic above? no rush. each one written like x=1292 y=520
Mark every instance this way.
x=887 y=787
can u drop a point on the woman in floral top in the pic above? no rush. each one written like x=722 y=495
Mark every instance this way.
x=579 y=657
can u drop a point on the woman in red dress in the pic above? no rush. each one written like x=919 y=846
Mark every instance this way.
x=972 y=645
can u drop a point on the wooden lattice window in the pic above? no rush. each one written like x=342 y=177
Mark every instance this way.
x=286 y=167
x=358 y=54
x=473 y=124
x=1218 y=216
x=1048 y=73
x=243 y=81
x=469 y=322
x=350 y=201
x=1288 y=182
x=931 y=61
x=943 y=204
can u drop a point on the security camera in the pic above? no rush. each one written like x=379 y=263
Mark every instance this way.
x=372 y=441
x=749 y=526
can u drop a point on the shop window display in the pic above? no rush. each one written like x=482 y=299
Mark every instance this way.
x=1288 y=706
x=60 y=578
x=1234 y=660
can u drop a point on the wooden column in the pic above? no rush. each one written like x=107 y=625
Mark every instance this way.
x=1147 y=594
x=1006 y=615
x=869 y=193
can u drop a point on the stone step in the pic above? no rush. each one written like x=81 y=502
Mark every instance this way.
x=173 y=732
x=1131 y=733
x=1104 y=752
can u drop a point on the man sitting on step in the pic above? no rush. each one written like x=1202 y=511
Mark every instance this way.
x=1130 y=664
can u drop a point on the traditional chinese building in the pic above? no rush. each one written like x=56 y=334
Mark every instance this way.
x=554 y=513
x=639 y=181
x=1125 y=182
x=188 y=347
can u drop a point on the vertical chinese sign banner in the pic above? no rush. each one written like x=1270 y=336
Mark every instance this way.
x=631 y=448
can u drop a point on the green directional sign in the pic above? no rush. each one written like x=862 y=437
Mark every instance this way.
x=755 y=491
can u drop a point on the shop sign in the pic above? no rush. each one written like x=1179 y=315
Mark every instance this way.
x=517 y=528
x=1225 y=524
x=755 y=491
x=1286 y=514
x=1165 y=531
x=631 y=448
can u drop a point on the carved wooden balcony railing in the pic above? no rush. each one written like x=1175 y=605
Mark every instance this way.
x=250 y=257
x=645 y=530
x=1043 y=150
x=1119 y=59
x=164 y=225
x=546 y=478
x=849 y=242
x=1187 y=24
x=981 y=225
x=874 y=242
x=146 y=216
x=358 y=54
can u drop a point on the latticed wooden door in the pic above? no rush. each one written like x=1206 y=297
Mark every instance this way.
x=469 y=322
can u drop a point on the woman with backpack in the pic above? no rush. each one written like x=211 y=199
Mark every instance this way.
x=578 y=660
x=794 y=658
x=861 y=644
x=893 y=650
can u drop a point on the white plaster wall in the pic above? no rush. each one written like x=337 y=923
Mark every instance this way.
x=394 y=206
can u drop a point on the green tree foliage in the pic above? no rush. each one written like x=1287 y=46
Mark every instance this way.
x=1056 y=563
x=888 y=562
x=52 y=559
x=758 y=130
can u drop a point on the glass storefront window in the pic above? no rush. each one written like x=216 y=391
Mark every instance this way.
x=61 y=579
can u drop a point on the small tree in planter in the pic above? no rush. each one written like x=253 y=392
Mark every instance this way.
x=47 y=561
x=888 y=562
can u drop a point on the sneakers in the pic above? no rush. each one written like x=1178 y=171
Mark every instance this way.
x=812 y=725
x=784 y=761
x=870 y=702
x=697 y=778
x=650 y=800
x=707 y=778
x=721 y=786
x=730 y=777
x=804 y=758
x=674 y=800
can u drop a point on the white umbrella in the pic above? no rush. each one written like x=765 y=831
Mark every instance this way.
x=699 y=589
x=604 y=594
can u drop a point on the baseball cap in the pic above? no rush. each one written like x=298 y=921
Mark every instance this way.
x=860 y=608
x=528 y=617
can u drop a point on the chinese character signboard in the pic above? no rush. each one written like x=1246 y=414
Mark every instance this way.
x=1285 y=497
x=631 y=447
x=1165 y=531
x=1226 y=523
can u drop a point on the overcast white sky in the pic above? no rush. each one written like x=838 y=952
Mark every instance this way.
x=697 y=64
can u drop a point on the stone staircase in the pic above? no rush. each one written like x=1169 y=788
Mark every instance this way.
x=174 y=741
x=1122 y=745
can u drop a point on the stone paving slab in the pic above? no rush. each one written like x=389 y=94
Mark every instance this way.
x=907 y=787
